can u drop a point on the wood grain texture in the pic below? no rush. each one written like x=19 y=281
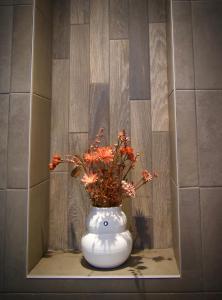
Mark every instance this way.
x=139 y=50
x=61 y=28
x=158 y=77
x=161 y=191
x=6 y=23
x=119 y=88
x=99 y=41
x=141 y=138
x=79 y=12
x=78 y=200
x=60 y=109
x=119 y=12
x=157 y=11
x=4 y=112
x=79 y=79
x=58 y=237
x=99 y=111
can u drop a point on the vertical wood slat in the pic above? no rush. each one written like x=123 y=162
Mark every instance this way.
x=61 y=28
x=78 y=200
x=119 y=88
x=79 y=12
x=158 y=75
x=60 y=108
x=79 y=78
x=99 y=41
x=141 y=138
x=161 y=191
x=157 y=11
x=139 y=50
x=4 y=120
x=99 y=111
x=58 y=237
x=119 y=19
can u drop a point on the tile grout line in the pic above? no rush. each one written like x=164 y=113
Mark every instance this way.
x=30 y=132
x=197 y=149
x=176 y=135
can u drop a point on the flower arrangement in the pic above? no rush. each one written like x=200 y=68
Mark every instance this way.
x=104 y=170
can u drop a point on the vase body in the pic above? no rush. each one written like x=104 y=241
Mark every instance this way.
x=107 y=243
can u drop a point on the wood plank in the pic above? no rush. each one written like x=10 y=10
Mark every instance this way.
x=119 y=88
x=139 y=50
x=6 y=23
x=141 y=138
x=58 y=237
x=119 y=12
x=61 y=29
x=99 y=41
x=99 y=111
x=60 y=108
x=162 y=231
x=158 y=77
x=78 y=200
x=79 y=12
x=79 y=78
x=4 y=112
x=157 y=11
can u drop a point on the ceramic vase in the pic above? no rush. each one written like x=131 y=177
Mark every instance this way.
x=107 y=243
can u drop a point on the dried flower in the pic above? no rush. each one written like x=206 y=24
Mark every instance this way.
x=89 y=178
x=105 y=154
x=128 y=188
x=147 y=176
x=106 y=169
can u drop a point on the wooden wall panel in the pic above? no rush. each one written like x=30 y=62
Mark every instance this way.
x=99 y=111
x=157 y=11
x=58 y=237
x=142 y=210
x=79 y=79
x=139 y=50
x=141 y=138
x=119 y=12
x=78 y=200
x=99 y=41
x=158 y=76
x=161 y=191
x=60 y=108
x=112 y=61
x=61 y=28
x=119 y=88
x=79 y=12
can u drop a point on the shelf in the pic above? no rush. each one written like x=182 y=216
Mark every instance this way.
x=155 y=263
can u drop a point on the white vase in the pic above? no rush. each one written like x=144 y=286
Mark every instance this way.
x=107 y=243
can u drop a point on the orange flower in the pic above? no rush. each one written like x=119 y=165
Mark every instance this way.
x=105 y=154
x=51 y=166
x=147 y=176
x=89 y=179
x=91 y=157
x=129 y=152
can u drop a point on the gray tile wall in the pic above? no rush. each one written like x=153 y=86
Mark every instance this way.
x=40 y=133
x=197 y=48
x=15 y=81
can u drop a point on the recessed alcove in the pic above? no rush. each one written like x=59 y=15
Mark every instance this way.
x=105 y=65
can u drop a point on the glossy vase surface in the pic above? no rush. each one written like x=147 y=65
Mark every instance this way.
x=107 y=243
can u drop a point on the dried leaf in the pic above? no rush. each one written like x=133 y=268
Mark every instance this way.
x=76 y=171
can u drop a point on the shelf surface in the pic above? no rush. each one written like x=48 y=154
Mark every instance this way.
x=149 y=263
